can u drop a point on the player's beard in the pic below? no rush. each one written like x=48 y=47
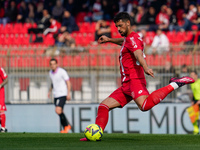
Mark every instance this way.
x=124 y=33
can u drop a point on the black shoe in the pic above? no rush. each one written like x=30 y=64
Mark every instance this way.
x=3 y=129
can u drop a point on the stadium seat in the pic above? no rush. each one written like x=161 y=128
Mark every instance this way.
x=93 y=60
x=76 y=86
x=18 y=28
x=85 y=27
x=171 y=36
x=113 y=27
x=178 y=60
x=80 y=17
x=8 y=29
x=115 y=34
x=180 y=37
x=67 y=61
x=196 y=59
x=48 y=39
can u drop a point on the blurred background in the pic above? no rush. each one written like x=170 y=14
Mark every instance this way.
x=34 y=31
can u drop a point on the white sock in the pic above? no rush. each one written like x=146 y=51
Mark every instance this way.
x=174 y=85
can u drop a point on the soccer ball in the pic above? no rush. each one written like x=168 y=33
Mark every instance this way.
x=93 y=132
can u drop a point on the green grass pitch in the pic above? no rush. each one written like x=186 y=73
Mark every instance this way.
x=56 y=141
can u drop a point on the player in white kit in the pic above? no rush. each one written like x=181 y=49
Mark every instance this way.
x=61 y=88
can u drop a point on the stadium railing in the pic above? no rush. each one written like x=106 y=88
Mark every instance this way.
x=94 y=71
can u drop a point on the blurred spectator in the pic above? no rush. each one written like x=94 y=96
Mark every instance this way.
x=146 y=39
x=190 y=17
x=172 y=19
x=168 y=68
x=184 y=69
x=84 y=5
x=31 y=13
x=197 y=21
x=162 y=19
x=107 y=11
x=151 y=16
x=97 y=11
x=55 y=25
x=71 y=7
x=66 y=44
x=102 y=28
x=68 y=23
x=194 y=38
x=43 y=23
x=133 y=14
x=65 y=39
x=140 y=17
x=160 y=43
x=39 y=12
x=125 y=6
x=23 y=12
x=11 y=12
x=58 y=10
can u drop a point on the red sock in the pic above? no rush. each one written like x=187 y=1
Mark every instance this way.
x=102 y=116
x=3 y=119
x=156 y=97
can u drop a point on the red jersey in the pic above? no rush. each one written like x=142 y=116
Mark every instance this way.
x=3 y=76
x=129 y=66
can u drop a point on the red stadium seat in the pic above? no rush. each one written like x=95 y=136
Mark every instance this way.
x=8 y=29
x=93 y=60
x=196 y=59
x=85 y=27
x=80 y=17
x=188 y=60
x=18 y=28
x=116 y=35
x=178 y=60
x=180 y=37
x=48 y=39
x=171 y=36
x=67 y=61
x=113 y=27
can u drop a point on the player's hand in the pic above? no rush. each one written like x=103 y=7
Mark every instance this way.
x=198 y=102
x=68 y=97
x=149 y=72
x=103 y=39
x=0 y=86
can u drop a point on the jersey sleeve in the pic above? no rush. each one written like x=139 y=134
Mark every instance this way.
x=65 y=75
x=3 y=74
x=134 y=43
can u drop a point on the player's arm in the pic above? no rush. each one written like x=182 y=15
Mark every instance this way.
x=68 y=89
x=105 y=39
x=5 y=81
x=139 y=56
x=50 y=90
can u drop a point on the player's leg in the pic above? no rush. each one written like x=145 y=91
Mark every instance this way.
x=3 y=121
x=147 y=102
x=116 y=99
x=103 y=111
x=59 y=103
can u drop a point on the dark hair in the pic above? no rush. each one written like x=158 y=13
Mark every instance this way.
x=53 y=59
x=194 y=72
x=124 y=16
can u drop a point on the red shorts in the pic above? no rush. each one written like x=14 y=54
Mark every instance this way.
x=132 y=89
x=2 y=103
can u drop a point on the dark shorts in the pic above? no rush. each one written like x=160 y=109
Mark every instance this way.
x=60 y=101
x=130 y=90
